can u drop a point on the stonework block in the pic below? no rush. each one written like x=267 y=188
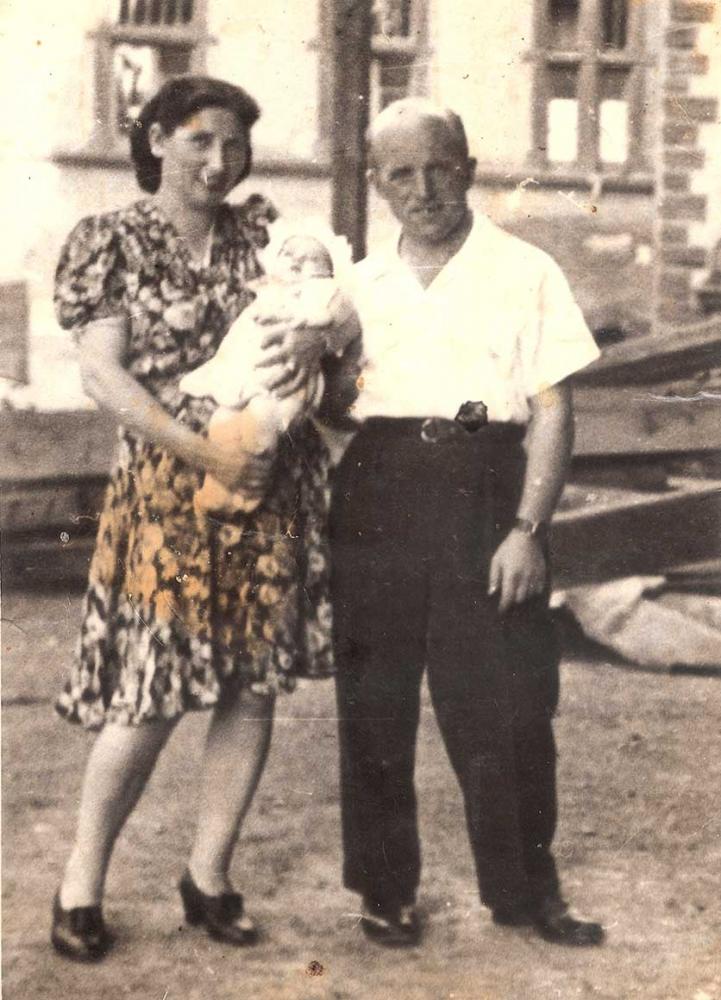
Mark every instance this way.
x=676 y=84
x=693 y=257
x=694 y=109
x=692 y=63
x=684 y=206
x=691 y=12
x=684 y=159
x=674 y=234
x=681 y=36
x=675 y=283
x=676 y=181
x=680 y=133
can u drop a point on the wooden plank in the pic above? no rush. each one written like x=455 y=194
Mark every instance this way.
x=42 y=562
x=352 y=26
x=70 y=505
x=639 y=535
x=14 y=331
x=629 y=420
x=671 y=354
x=64 y=444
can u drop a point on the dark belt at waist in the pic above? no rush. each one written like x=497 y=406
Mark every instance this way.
x=437 y=430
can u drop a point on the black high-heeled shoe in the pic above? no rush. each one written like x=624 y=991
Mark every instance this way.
x=79 y=933
x=222 y=916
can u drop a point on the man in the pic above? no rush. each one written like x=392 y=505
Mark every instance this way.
x=438 y=530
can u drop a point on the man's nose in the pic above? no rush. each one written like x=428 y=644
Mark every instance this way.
x=424 y=184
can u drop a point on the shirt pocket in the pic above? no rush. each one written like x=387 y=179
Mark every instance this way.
x=503 y=349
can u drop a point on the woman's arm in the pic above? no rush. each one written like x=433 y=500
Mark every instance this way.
x=518 y=568
x=105 y=379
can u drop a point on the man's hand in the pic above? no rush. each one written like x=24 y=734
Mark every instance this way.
x=292 y=356
x=237 y=470
x=518 y=570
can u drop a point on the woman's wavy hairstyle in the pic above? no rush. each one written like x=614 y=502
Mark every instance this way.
x=173 y=104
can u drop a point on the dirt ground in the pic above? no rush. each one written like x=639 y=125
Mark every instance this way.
x=639 y=845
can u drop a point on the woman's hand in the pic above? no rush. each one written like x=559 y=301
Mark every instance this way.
x=293 y=355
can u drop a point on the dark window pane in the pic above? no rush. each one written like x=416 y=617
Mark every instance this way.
x=394 y=82
x=614 y=83
x=396 y=75
x=392 y=18
x=563 y=23
x=614 y=29
x=174 y=61
x=562 y=81
x=135 y=79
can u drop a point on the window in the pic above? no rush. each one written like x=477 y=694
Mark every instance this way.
x=142 y=45
x=397 y=42
x=399 y=57
x=590 y=82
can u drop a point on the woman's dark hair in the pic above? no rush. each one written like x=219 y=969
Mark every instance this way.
x=173 y=104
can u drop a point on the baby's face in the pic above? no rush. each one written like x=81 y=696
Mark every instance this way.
x=303 y=257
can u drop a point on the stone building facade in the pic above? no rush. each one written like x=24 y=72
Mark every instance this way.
x=595 y=124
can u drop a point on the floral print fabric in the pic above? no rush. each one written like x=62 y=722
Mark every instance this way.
x=178 y=612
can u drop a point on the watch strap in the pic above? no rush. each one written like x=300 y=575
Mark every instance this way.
x=536 y=529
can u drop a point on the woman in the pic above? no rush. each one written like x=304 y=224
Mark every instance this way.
x=179 y=616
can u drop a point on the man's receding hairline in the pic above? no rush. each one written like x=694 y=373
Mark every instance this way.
x=410 y=110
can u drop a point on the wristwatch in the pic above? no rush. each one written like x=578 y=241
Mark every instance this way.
x=536 y=529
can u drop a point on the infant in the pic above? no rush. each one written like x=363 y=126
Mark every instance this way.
x=299 y=287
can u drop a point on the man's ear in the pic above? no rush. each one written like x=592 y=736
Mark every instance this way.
x=156 y=140
x=375 y=177
x=471 y=165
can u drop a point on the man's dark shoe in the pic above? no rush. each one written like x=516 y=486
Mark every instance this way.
x=553 y=923
x=511 y=917
x=391 y=926
x=80 y=933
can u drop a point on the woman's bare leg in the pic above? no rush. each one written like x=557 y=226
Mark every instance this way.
x=235 y=755
x=120 y=763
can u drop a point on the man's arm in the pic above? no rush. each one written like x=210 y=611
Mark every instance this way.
x=518 y=568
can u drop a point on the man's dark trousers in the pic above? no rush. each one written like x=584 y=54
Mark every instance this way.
x=418 y=509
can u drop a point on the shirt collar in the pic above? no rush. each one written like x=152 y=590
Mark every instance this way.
x=386 y=259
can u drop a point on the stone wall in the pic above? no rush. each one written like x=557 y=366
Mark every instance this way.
x=689 y=165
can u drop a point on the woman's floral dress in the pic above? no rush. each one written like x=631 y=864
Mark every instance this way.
x=177 y=614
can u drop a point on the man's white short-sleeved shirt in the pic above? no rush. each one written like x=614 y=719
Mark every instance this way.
x=498 y=325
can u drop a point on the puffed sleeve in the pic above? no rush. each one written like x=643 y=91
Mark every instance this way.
x=257 y=213
x=562 y=344
x=89 y=276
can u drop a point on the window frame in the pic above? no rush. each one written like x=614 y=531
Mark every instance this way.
x=413 y=48
x=409 y=50
x=106 y=146
x=590 y=59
